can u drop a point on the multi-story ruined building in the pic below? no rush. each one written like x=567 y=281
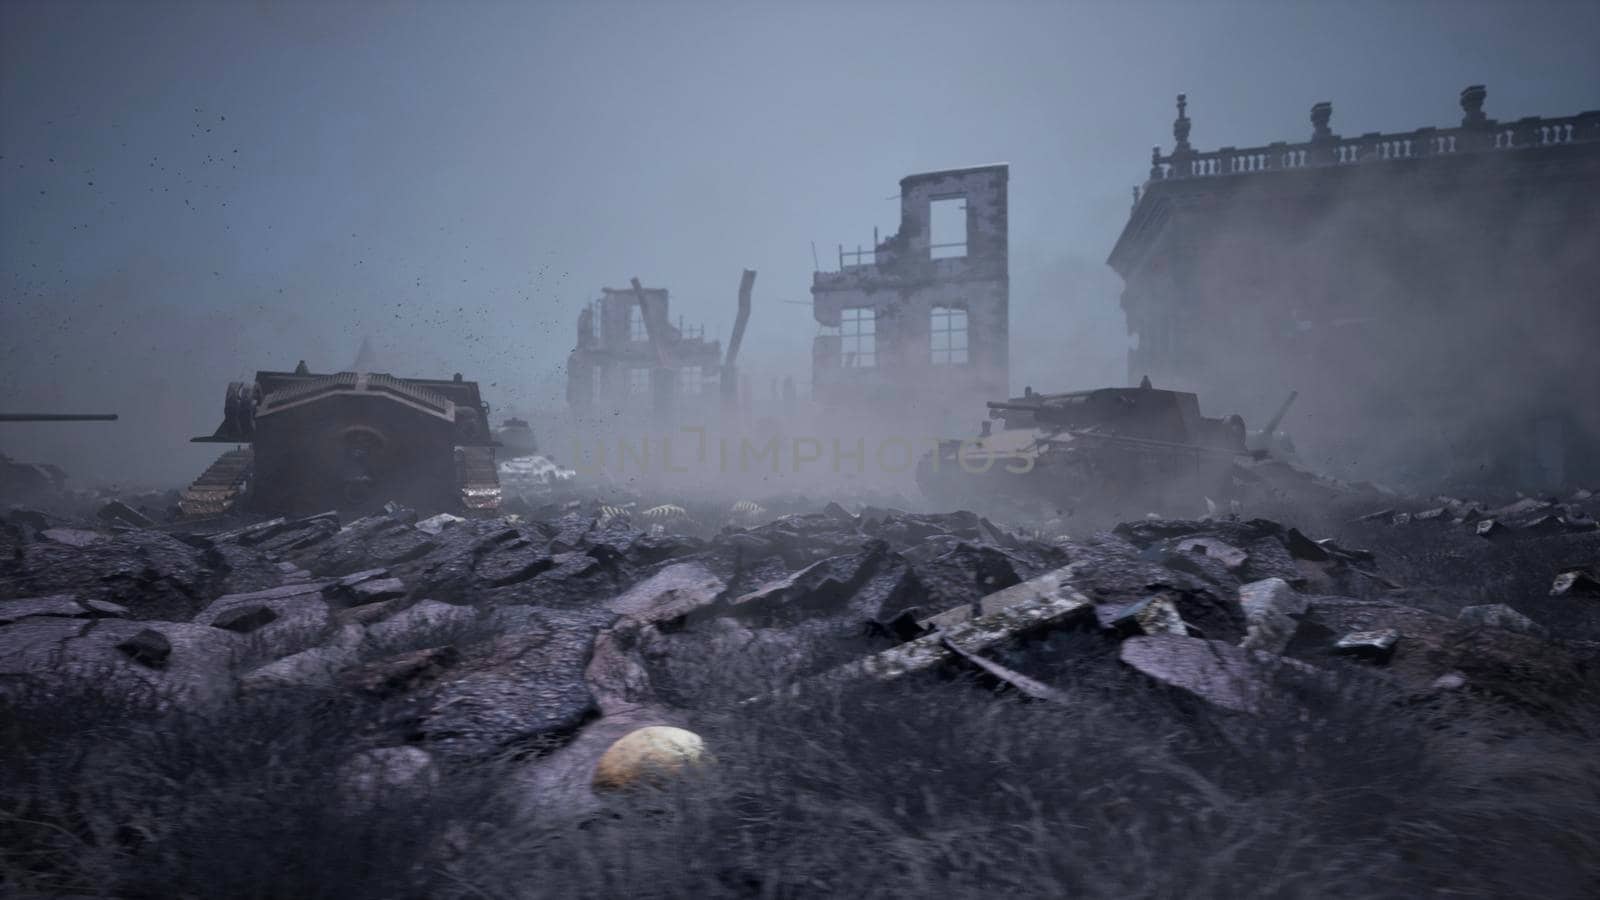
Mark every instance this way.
x=1431 y=294
x=915 y=329
x=630 y=357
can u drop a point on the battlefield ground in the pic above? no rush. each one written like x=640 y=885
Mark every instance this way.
x=1378 y=695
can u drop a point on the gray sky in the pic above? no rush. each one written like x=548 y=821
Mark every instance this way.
x=194 y=191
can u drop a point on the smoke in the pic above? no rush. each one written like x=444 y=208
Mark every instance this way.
x=189 y=193
x=1437 y=317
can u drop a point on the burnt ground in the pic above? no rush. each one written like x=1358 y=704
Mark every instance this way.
x=1383 y=697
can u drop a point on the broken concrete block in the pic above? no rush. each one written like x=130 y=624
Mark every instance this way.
x=367 y=613
x=1546 y=525
x=1302 y=547
x=1231 y=557
x=526 y=685
x=1499 y=615
x=376 y=591
x=1491 y=529
x=244 y=619
x=72 y=537
x=1271 y=610
x=1576 y=583
x=430 y=617
x=676 y=590
x=395 y=511
x=122 y=514
x=438 y=523
x=293 y=619
x=1377 y=646
x=365 y=590
x=316 y=666
x=1527 y=507
x=751 y=546
x=105 y=608
x=402 y=673
x=1577 y=520
x=355 y=578
x=149 y=648
x=1219 y=673
x=1051 y=585
x=58 y=605
x=1350 y=555
x=1156 y=614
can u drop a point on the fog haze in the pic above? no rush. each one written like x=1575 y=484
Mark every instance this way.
x=191 y=192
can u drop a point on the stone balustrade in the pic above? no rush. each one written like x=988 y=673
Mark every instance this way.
x=1477 y=133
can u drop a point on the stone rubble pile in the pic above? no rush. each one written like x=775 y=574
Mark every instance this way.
x=555 y=637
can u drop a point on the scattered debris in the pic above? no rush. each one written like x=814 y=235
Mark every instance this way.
x=403 y=673
x=438 y=523
x=1576 y=583
x=148 y=648
x=1233 y=678
x=567 y=626
x=245 y=619
x=1271 y=609
x=1377 y=646
x=1499 y=615
x=1232 y=557
x=1156 y=614
x=121 y=513
x=1023 y=684
x=1491 y=529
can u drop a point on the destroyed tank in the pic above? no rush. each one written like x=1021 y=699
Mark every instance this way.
x=348 y=441
x=516 y=436
x=1123 y=452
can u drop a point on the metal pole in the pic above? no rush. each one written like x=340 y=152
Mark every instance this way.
x=58 y=417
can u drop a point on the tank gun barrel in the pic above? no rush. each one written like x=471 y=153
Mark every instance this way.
x=1009 y=405
x=1272 y=425
x=58 y=417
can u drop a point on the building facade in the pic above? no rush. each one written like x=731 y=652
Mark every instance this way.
x=1433 y=295
x=916 y=329
x=631 y=358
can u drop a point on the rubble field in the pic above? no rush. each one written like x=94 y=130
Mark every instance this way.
x=1397 y=700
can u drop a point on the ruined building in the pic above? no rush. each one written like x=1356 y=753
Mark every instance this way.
x=630 y=357
x=916 y=328
x=1431 y=294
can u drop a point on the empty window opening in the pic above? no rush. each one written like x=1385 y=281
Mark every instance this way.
x=948 y=330
x=636 y=329
x=691 y=381
x=639 y=382
x=947 y=227
x=858 y=330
